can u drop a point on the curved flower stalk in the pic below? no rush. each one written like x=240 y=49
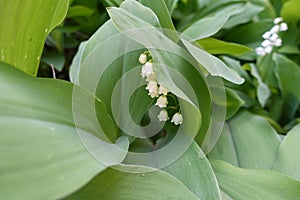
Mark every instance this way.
x=158 y=91
x=272 y=38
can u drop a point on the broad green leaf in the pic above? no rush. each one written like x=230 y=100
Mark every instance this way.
x=245 y=14
x=246 y=184
x=112 y=184
x=249 y=34
x=248 y=141
x=80 y=11
x=171 y=4
x=288 y=74
x=24 y=28
x=263 y=91
x=160 y=8
x=55 y=59
x=212 y=64
x=75 y=66
x=211 y=24
x=112 y=2
x=195 y=172
x=215 y=46
x=141 y=11
x=290 y=11
x=287 y=160
x=233 y=103
x=42 y=156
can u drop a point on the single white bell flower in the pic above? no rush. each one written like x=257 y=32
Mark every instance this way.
x=267 y=35
x=162 y=101
x=278 y=42
x=268 y=49
x=266 y=43
x=143 y=58
x=177 y=118
x=275 y=29
x=163 y=116
x=163 y=90
x=278 y=20
x=260 y=51
x=283 y=27
x=147 y=69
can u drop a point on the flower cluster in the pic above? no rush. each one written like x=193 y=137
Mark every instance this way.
x=271 y=37
x=157 y=91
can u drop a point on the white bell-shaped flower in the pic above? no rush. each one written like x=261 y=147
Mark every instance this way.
x=177 y=119
x=278 y=20
x=153 y=89
x=283 y=27
x=267 y=35
x=143 y=58
x=260 y=51
x=163 y=116
x=147 y=69
x=162 y=101
x=278 y=42
x=163 y=90
x=268 y=49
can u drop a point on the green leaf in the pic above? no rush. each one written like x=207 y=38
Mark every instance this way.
x=245 y=14
x=160 y=8
x=195 y=172
x=288 y=75
x=287 y=161
x=75 y=66
x=233 y=103
x=245 y=184
x=171 y=4
x=24 y=27
x=112 y=184
x=212 y=64
x=290 y=11
x=80 y=11
x=248 y=145
x=263 y=91
x=40 y=145
x=211 y=24
x=55 y=59
x=141 y=12
x=215 y=46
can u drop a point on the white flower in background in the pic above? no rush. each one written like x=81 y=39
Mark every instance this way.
x=260 y=51
x=275 y=29
x=278 y=20
x=147 y=69
x=163 y=116
x=271 y=37
x=267 y=35
x=283 y=27
x=268 y=49
x=266 y=43
x=163 y=90
x=162 y=101
x=177 y=118
x=278 y=42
